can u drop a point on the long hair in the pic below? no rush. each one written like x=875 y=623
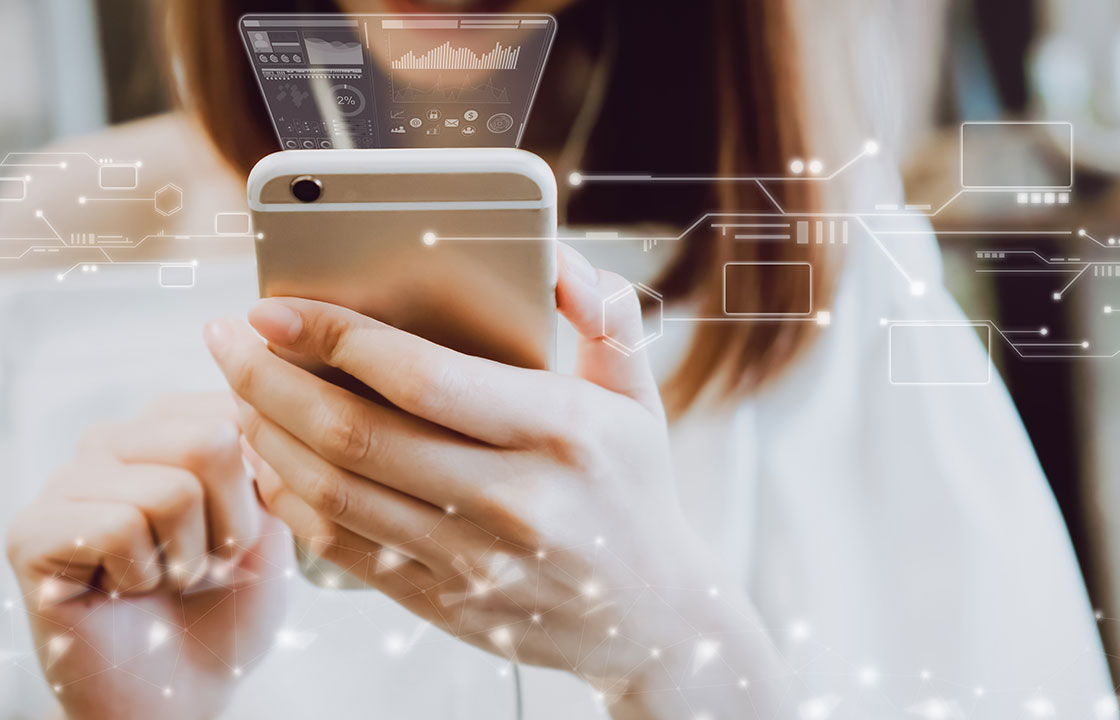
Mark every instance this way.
x=712 y=87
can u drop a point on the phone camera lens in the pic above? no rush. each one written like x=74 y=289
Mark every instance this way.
x=307 y=189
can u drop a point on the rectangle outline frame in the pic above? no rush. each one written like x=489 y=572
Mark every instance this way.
x=998 y=188
x=765 y=314
x=890 y=353
x=22 y=183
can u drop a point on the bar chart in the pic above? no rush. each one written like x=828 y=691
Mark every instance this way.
x=446 y=57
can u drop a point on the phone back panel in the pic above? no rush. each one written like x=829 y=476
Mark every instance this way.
x=485 y=286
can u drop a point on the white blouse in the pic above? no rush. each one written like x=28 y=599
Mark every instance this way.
x=899 y=540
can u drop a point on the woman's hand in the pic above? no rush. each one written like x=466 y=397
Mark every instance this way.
x=151 y=575
x=529 y=513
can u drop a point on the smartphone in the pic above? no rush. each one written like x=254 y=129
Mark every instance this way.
x=457 y=245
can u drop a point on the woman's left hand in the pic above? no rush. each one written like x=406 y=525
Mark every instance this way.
x=530 y=513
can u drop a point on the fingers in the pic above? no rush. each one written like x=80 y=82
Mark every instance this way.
x=399 y=450
x=604 y=309
x=492 y=402
x=388 y=569
x=105 y=542
x=205 y=445
x=171 y=501
x=376 y=512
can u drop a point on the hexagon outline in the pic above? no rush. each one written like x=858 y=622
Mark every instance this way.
x=617 y=344
x=168 y=188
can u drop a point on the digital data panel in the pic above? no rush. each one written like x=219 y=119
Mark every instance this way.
x=369 y=81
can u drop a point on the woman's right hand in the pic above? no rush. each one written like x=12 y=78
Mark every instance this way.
x=148 y=568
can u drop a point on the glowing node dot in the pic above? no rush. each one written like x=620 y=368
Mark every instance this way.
x=1112 y=241
x=868 y=676
x=917 y=288
x=139 y=163
x=429 y=238
x=713 y=591
x=1044 y=331
x=450 y=509
x=79 y=542
x=612 y=631
x=115 y=595
x=1107 y=309
x=815 y=166
x=289 y=573
x=925 y=674
x=540 y=554
x=591 y=590
x=1057 y=296
x=82 y=200
x=27 y=178
x=1098 y=614
x=56 y=687
x=871 y=147
x=38 y=213
x=655 y=652
x=167 y=692
x=797 y=166
x=536 y=617
x=194 y=263
x=229 y=541
x=575 y=179
x=1085 y=344
x=260 y=236
x=62 y=164
x=599 y=540
x=800 y=630
x=9 y=604
x=59 y=277
x=1081 y=232
x=743 y=683
x=979 y=691
x=237 y=672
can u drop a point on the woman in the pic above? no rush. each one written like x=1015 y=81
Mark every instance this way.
x=803 y=539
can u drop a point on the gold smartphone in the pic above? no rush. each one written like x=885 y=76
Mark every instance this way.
x=457 y=245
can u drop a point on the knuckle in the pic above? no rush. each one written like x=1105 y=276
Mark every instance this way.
x=332 y=335
x=181 y=493
x=127 y=527
x=425 y=387
x=329 y=496
x=269 y=488
x=347 y=437
x=210 y=440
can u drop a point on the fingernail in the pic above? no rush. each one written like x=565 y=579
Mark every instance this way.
x=276 y=321
x=217 y=335
x=578 y=265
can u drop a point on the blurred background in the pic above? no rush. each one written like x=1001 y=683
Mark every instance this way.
x=95 y=64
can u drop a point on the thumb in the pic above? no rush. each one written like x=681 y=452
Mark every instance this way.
x=604 y=309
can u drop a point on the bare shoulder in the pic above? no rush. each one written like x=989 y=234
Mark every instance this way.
x=140 y=188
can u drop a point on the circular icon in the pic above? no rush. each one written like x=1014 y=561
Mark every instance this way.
x=499 y=123
x=284 y=58
x=468 y=130
x=273 y=58
x=297 y=58
x=291 y=144
x=434 y=115
x=264 y=58
x=415 y=122
x=348 y=99
x=309 y=144
x=326 y=144
x=470 y=115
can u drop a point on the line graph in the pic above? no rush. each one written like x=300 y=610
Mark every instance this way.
x=446 y=57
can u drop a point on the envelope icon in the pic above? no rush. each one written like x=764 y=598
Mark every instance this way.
x=451 y=122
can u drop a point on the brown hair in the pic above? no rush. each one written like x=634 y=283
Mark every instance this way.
x=721 y=79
